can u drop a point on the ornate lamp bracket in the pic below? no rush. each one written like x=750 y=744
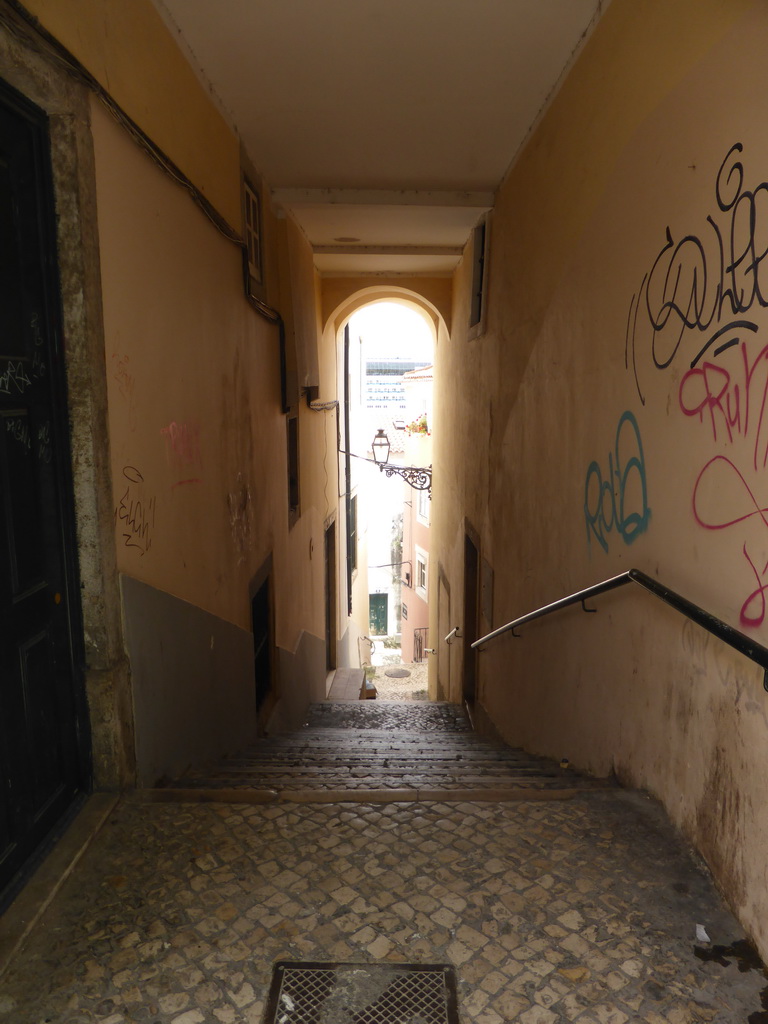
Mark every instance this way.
x=418 y=477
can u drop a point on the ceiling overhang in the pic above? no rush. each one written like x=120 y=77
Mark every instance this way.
x=390 y=122
x=379 y=231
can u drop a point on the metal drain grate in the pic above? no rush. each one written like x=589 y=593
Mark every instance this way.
x=327 y=993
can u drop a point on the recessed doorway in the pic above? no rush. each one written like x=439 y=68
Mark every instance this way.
x=44 y=736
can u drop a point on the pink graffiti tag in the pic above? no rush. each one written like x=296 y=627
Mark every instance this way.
x=746 y=617
x=707 y=387
x=121 y=372
x=183 y=450
x=712 y=390
x=718 y=475
x=712 y=468
x=695 y=306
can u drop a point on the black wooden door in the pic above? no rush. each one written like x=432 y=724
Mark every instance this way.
x=43 y=741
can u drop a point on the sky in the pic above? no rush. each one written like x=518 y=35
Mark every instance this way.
x=391 y=329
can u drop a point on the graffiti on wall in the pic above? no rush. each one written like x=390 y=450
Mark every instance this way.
x=135 y=512
x=616 y=493
x=126 y=383
x=30 y=438
x=240 y=515
x=14 y=379
x=694 y=298
x=182 y=448
x=698 y=307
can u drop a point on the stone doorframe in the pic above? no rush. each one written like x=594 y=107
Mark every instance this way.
x=27 y=67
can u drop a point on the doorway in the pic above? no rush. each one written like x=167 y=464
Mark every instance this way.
x=44 y=738
x=263 y=661
x=331 y=597
x=378 y=618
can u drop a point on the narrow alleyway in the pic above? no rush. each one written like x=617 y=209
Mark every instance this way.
x=554 y=898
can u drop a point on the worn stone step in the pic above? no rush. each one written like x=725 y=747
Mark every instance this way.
x=388 y=764
x=346 y=756
x=386 y=751
x=381 y=747
x=277 y=771
x=376 y=773
x=409 y=782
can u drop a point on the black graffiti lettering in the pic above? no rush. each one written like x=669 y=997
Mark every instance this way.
x=135 y=513
x=700 y=282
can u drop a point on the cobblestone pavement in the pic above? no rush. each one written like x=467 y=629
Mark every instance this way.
x=412 y=687
x=554 y=912
x=400 y=716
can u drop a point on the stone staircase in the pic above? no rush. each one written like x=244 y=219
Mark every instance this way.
x=379 y=751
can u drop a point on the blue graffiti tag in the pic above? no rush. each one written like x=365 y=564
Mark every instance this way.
x=613 y=502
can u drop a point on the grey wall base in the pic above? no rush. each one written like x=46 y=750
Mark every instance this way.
x=192 y=677
x=302 y=677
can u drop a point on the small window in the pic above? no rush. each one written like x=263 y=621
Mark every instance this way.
x=479 y=284
x=422 y=506
x=421 y=573
x=252 y=232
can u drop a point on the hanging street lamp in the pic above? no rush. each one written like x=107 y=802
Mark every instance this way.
x=380 y=447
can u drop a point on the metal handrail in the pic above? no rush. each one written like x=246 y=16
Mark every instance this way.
x=739 y=641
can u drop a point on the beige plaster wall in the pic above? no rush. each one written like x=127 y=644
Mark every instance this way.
x=446 y=508
x=129 y=51
x=331 y=460
x=191 y=370
x=197 y=434
x=575 y=455
x=198 y=437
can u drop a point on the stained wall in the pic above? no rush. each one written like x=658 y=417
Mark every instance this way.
x=197 y=431
x=613 y=414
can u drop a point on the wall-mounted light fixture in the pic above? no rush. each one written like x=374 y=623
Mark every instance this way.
x=380 y=447
x=418 y=477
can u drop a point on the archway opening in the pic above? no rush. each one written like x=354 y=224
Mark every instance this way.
x=389 y=368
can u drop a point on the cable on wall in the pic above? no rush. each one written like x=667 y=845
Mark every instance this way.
x=62 y=56
x=19 y=21
x=316 y=406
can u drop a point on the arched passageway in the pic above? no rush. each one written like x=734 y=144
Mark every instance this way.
x=385 y=342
